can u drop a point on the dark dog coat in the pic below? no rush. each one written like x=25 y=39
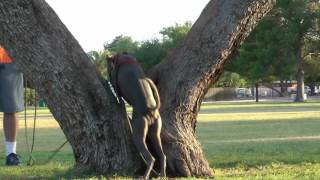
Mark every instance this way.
x=140 y=92
x=132 y=84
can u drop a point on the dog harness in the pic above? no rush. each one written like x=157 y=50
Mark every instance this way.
x=124 y=59
x=118 y=61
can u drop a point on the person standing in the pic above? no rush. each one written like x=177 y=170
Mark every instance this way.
x=11 y=102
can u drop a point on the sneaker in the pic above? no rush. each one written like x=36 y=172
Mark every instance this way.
x=13 y=160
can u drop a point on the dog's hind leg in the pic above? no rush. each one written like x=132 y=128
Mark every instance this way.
x=139 y=133
x=154 y=133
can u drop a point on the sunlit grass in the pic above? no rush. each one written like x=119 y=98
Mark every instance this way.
x=303 y=171
x=233 y=136
x=257 y=116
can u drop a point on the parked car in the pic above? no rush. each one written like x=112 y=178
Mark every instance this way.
x=243 y=92
x=307 y=90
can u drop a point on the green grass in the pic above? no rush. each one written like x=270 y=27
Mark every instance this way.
x=240 y=141
x=262 y=141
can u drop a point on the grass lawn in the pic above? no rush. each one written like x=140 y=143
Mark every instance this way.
x=240 y=140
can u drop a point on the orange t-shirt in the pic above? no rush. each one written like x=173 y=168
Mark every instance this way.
x=4 y=57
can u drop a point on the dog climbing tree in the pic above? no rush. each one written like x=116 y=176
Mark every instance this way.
x=95 y=125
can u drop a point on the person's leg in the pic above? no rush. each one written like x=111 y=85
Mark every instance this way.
x=11 y=101
x=10 y=127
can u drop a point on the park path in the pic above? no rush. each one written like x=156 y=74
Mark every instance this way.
x=259 y=140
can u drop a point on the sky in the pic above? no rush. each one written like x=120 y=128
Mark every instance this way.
x=95 y=22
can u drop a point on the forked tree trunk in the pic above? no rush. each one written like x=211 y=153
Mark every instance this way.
x=94 y=124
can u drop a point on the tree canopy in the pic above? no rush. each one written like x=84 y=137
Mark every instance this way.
x=150 y=52
x=270 y=52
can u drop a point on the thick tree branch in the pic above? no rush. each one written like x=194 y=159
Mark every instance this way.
x=53 y=62
x=185 y=75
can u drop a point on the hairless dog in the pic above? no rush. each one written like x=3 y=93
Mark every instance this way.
x=140 y=92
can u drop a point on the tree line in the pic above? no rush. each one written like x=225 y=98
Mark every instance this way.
x=284 y=47
x=148 y=52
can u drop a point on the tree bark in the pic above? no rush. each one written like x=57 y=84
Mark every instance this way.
x=53 y=62
x=186 y=74
x=300 y=86
x=97 y=127
x=300 y=75
x=257 y=92
x=283 y=88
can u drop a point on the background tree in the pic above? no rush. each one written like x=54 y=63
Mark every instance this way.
x=264 y=57
x=99 y=60
x=151 y=52
x=121 y=44
x=173 y=35
x=311 y=50
x=311 y=61
x=273 y=50
x=95 y=125
x=230 y=79
x=298 y=18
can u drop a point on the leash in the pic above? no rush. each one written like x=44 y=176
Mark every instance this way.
x=31 y=160
x=113 y=92
x=55 y=152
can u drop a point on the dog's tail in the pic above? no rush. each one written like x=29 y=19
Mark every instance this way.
x=154 y=92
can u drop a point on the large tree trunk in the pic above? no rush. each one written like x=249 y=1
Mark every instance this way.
x=53 y=62
x=257 y=92
x=94 y=124
x=185 y=76
x=299 y=76
x=300 y=86
x=283 y=88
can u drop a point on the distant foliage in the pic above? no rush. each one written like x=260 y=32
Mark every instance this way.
x=121 y=44
x=270 y=52
x=311 y=61
x=150 y=52
x=30 y=96
x=99 y=60
x=231 y=79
